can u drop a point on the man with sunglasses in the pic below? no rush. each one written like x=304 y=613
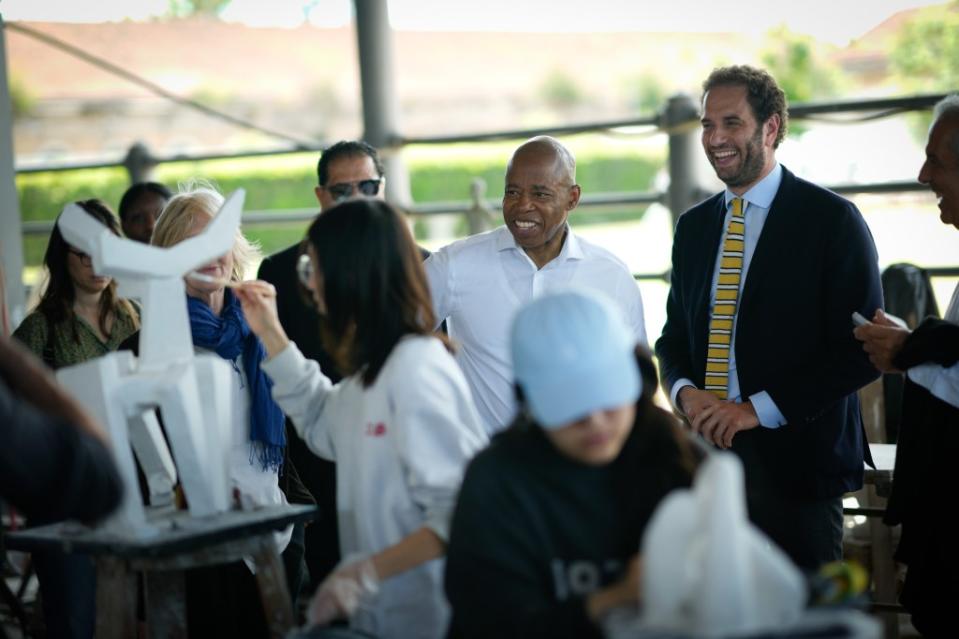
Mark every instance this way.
x=347 y=169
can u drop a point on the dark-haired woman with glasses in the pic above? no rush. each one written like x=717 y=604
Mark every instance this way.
x=401 y=426
x=79 y=317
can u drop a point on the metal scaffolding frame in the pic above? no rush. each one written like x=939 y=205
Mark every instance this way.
x=678 y=120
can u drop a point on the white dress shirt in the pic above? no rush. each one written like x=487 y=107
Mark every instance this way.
x=480 y=282
x=757 y=201
x=942 y=382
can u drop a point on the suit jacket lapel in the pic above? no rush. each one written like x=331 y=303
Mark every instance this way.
x=775 y=234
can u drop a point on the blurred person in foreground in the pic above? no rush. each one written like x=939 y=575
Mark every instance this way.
x=400 y=426
x=79 y=317
x=55 y=460
x=929 y=434
x=479 y=282
x=55 y=464
x=349 y=168
x=757 y=350
x=546 y=534
x=140 y=207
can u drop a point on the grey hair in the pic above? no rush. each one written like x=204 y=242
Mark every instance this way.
x=948 y=108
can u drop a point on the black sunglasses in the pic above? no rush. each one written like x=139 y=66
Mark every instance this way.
x=343 y=190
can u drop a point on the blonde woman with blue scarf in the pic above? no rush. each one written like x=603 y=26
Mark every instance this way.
x=258 y=441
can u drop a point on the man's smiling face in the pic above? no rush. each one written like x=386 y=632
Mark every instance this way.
x=739 y=148
x=537 y=199
x=940 y=171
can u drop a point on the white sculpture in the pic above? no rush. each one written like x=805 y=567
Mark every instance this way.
x=708 y=571
x=192 y=392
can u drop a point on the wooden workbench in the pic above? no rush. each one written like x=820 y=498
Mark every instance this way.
x=178 y=543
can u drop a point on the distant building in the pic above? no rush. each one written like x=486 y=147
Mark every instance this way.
x=304 y=81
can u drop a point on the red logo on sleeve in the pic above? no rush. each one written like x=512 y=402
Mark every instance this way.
x=376 y=430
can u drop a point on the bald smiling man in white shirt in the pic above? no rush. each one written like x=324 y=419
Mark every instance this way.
x=478 y=283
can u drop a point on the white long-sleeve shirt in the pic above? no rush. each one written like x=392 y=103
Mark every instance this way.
x=479 y=283
x=400 y=447
x=941 y=381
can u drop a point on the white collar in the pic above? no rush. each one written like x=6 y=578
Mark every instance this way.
x=763 y=192
x=572 y=250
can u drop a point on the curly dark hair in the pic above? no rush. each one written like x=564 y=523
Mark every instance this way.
x=763 y=94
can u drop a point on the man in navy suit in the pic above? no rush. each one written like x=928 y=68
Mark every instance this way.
x=758 y=351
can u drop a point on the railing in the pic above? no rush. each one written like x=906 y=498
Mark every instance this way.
x=678 y=120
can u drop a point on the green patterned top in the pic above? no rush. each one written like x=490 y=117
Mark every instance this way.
x=63 y=349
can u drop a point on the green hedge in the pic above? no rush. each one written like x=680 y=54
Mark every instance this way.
x=287 y=181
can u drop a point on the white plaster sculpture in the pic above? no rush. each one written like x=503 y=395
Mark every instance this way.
x=192 y=392
x=707 y=571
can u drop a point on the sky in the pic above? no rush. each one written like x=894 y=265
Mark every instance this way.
x=834 y=21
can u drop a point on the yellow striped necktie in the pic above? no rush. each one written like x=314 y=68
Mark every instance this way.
x=727 y=301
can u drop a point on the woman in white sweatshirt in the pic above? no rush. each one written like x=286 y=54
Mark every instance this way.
x=401 y=426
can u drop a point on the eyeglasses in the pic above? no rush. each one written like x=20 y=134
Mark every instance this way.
x=304 y=270
x=85 y=259
x=342 y=190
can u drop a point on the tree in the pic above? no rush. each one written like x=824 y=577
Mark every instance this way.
x=184 y=8
x=926 y=53
x=647 y=93
x=22 y=99
x=794 y=60
x=925 y=57
x=560 y=91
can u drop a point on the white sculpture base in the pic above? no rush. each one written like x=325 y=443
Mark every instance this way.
x=194 y=400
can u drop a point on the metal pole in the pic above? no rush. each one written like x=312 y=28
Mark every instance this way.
x=680 y=121
x=380 y=107
x=11 y=237
x=479 y=216
x=139 y=163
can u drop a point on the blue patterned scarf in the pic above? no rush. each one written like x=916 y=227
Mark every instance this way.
x=229 y=335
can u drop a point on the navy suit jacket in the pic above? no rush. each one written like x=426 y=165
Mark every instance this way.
x=814 y=264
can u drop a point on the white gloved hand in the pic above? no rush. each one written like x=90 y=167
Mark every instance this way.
x=342 y=592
